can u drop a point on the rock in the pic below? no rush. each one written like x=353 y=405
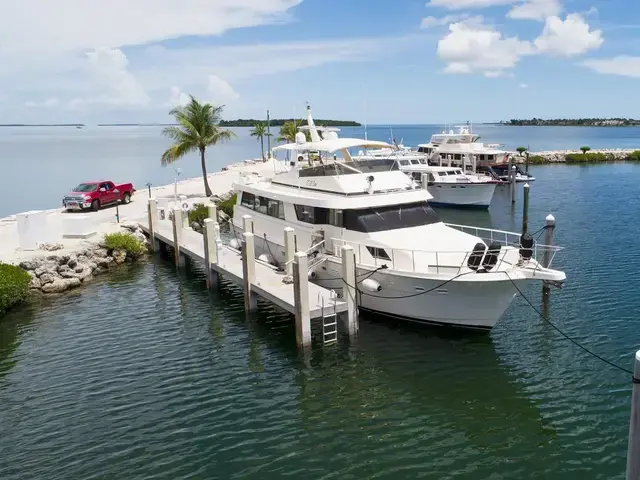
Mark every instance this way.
x=28 y=265
x=64 y=259
x=101 y=252
x=141 y=237
x=46 y=278
x=61 y=284
x=51 y=246
x=53 y=258
x=35 y=283
x=92 y=266
x=287 y=279
x=82 y=258
x=39 y=271
x=104 y=262
x=68 y=274
x=73 y=262
x=132 y=227
x=79 y=269
x=119 y=256
x=63 y=268
x=85 y=276
x=196 y=227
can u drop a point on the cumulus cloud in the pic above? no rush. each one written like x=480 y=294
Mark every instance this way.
x=220 y=91
x=49 y=103
x=178 y=98
x=462 y=4
x=480 y=49
x=623 y=65
x=535 y=10
x=428 y=22
x=568 y=38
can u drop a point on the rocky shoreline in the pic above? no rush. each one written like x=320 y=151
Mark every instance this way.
x=57 y=273
x=560 y=156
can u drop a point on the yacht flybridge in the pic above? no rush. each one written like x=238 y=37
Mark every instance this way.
x=409 y=263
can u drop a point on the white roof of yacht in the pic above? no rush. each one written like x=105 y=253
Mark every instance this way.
x=335 y=145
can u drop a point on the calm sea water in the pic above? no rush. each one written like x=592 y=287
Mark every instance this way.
x=145 y=374
x=40 y=165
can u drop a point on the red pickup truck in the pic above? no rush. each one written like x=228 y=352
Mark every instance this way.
x=95 y=195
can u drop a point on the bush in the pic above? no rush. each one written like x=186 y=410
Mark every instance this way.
x=585 y=148
x=14 y=286
x=634 y=156
x=124 y=241
x=587 y=158
x=227 y=205
x=198 y=214
x=537 y=160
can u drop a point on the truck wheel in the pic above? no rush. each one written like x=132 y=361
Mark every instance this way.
x=127 y=198
x=95 y=205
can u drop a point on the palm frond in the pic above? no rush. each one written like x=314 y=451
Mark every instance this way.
x=175 y=152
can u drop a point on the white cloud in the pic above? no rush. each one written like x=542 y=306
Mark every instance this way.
x=177 y=98
x=623 y=65
x=428 y=22
x=220 y=91
x=462 y=4
x=523 y=85
x=478 y=48
x=535 y=10
x=72 y=25
x=570 y=37
x=49 y=103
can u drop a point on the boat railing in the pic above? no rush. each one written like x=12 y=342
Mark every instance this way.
x=308 y=250
x=447 y=262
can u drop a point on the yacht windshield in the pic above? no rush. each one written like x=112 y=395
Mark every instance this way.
x=390 y=217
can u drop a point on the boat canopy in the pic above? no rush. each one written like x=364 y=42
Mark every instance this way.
x=334 y=145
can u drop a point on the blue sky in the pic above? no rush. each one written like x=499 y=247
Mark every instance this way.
x=402 y=61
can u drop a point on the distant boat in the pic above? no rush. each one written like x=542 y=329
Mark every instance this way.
x=79 y=127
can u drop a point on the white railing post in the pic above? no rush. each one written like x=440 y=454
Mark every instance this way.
x=247 y=223
x=301 y=299
x=633 y=452
x=177 y=236
x=152 y=218
x=550 y=226
x=289 y=249
x=210 y=252
x=349 y=288
x=213 y=211
x=249 y=271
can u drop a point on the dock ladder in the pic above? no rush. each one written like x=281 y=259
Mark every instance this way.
x=329 y=320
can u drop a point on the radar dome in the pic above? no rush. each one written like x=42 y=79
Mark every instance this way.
x=330 y=135
x=301 y=138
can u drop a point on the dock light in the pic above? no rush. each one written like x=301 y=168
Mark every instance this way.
x=117 y=192
x=175 y=186
x=149 y=187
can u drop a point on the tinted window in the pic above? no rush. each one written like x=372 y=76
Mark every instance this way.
x=389 y=217
x=85 y=187
x=247 y=199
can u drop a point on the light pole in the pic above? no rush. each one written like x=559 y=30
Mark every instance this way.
x=117 y=192
x=175 y=186
x=149 y=187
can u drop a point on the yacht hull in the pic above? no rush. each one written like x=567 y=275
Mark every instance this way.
x=464 y=304
x=471 y=195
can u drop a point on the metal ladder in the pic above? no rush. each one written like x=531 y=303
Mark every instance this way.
x=329 y=320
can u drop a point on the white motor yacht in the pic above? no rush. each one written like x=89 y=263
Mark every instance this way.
x=409 y=264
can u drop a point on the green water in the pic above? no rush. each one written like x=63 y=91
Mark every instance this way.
x=145 y=374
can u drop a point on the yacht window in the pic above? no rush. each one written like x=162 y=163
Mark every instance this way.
x=491 y=157
x=378 y=253
x=457 y=156
x=423 y=161
x=404 y=163
x=247 y=199
x=416 y=176
x=261 y=205
x=414 y=162
x=304 y=213
x=451 y=172
x=275 y=208
x=390 y=217
x=335 y=218
x=442 y=174
x=432 y=178
x=422 y=150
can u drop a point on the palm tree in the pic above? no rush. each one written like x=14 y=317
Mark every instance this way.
x=521 y=150
x=260 y=130
x=288 y=132
x=198 y=128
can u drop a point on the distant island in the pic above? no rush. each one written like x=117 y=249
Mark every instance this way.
x=41 y=125
x=278 y=122
x=136 y=124
x=574 y=122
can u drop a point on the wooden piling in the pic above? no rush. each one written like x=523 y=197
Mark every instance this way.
x=550 y=226
x=512 y=179
x=210 y=252
x=301 y=299
x=633 y=452
x=177 y=236
x=525 y=208
x=349 y=288
x=152 y=218
x=289 y=249
x=249 y=271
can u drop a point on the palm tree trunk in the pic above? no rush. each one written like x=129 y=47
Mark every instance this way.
x=207 y=190
x=262 y=147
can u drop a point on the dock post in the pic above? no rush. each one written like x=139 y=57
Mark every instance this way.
x=525 y=209
x=633 y=452
x=210 y=252
x=249 y=271
x=213 y=211
x=512 y=179
x=301 y=299
x=152 y=217
x=185 y=218
x=177 y=236
x=289 y=249
x=550 y=226
x=247 y=223
x=424 y=178
x=349 y=288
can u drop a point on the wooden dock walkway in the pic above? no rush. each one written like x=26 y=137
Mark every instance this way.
x=268 y=280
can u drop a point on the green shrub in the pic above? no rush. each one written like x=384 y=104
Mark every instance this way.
x=537 y=160
x=634 y=156
x=227 y=205
x=124 y=241
x=596 y=157
x=14 y=286
x=198 y=213
x=585 y=148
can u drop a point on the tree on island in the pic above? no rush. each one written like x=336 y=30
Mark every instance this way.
x=259 y=130
x=198 y=128
x=585 y=149
x=521 y=150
